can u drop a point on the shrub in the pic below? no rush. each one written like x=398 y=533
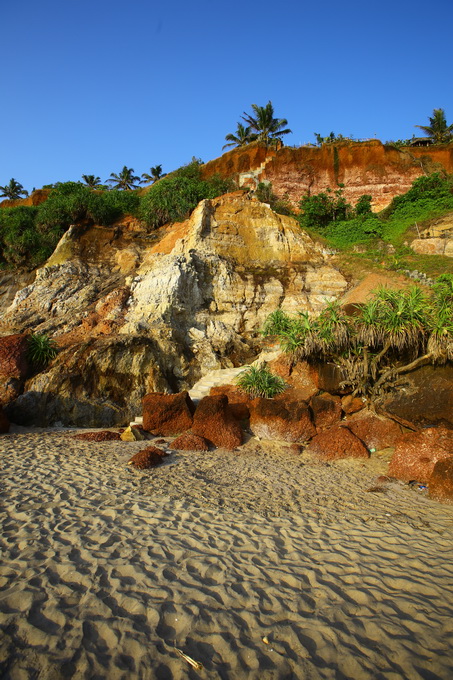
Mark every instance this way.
x=173 y=198
x=260 y=382
x=321 y=209
x=264 y=193
x=41 y=350
x=21 y=244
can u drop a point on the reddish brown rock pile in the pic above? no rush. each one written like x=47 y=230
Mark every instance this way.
x=103 y=436
x=337 y=442
x=326 y=410
x=214 y=421
x=288 y=421
x=238 y=401
x=375 y=432
x=190 y=442
x=149 y=457
x=13 y=366
x=416 y=454
x=167 y=414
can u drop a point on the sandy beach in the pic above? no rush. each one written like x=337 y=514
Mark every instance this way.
x=257 y=564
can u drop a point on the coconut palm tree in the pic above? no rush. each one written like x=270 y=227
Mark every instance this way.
x=241 y=137
x=156 y=173
x=438 y=130
x=268 y=129
x=125 y=180
x=13 y=190
x=91 y=181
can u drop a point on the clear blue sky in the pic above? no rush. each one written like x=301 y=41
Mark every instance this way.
x=89 y=86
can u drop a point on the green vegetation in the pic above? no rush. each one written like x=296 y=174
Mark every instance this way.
x=438 y=130
x=13 y=190
x=41 y=350
x=242 y=136
x=156 y=173
x=329 y=139
x=329 y=215
x=264 y=193
x=175 y=196
x=393 y=333
x=258 y=381
x=92 y=181
x=265 y=127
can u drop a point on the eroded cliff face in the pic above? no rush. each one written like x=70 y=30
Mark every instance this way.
x=135 y=312
x=363 y=167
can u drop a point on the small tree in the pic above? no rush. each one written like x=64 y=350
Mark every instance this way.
x=321 y=209
x=91 y=181
x=125 y=180
x=13 y=190
x=438 y=130
x=268 y=129
x=242 y=136
x=156 y=173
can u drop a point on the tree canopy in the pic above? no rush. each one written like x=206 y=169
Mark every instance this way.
x=13 y=190
x=125 y=180
x=241 y=137
x=268 y=129
x=438 y=130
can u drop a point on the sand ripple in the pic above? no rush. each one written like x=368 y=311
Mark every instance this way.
x=104 y=571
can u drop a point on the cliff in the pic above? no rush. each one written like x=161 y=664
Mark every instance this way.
x=135 y=312
x=363 y=167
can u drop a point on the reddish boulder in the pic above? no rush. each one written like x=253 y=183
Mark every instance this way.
x=426 y=401
x=13 y=366
x=102 y=436
x=375 y=432
x=441 y=481
x=338 y=442
x=301 y=378
x=214 y=421
x=149 y=457
x=416 y=454
x=4 y=422
x=326 y=410
x=238 y=401
x=190 y=442
x=288 y=421
x=167 y=414
x=351 y=404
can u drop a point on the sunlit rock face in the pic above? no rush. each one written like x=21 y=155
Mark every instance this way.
x=135 y=312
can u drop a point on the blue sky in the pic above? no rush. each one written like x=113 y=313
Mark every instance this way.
x=90 y=86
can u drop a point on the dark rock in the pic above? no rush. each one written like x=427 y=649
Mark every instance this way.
x=375 y=432
x=426 y=401
x=190 y=442
x=329 y=378
x=238 y=401
x=416 y=454
x=147 y=458
x=441 y=481
x=326 y=410
x=336 y=443
x=214 y=421
x=283 y=420
x=4 y=422
x=103 y=436
x=351 y=404
x=167 y=414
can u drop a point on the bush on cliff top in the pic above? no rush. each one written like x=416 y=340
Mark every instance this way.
x=173 y=198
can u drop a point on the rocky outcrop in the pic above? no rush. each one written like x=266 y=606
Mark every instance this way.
x=134 y=312
x=14 y=366
x=214 y=421
x=281 y=419
x=416 y=454
x=167 y=414
x=369 y=167
x=336 y=443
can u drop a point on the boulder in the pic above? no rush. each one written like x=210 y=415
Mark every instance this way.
x=190 y=442
x=13 y=366
x=4 y=422
x=416 y=454
x=238 y=401
x=425 y=401
x=103 y=436
x=301 y=378
x=167 y=414
x=149 y=457
x=441 y=481
x=375 y=431
x=214 y=421
x=337 y=442
x=288 y=421
x=351 y=404
x=326 y=410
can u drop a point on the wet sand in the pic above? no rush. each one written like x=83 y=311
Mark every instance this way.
x=257 y=564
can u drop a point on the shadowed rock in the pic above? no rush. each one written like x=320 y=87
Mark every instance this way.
x=441 y=481
x=326 y=410
x=103 y=436
x=288 y=421
x=190 y=442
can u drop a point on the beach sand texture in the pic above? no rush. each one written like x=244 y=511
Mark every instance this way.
x=257 y=564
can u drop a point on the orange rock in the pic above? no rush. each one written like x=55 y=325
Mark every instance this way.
x=190 y=442
x=103 y=436
x=282 y=420
x=337 y=442
x=416 y=454
x=326 y=410
x=149 y=457
x=214 y=421
x=441 y=481
x=375 y=432
x=167 y=414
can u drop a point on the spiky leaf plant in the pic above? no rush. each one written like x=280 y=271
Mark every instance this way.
x=41 y=350
x=258 y=381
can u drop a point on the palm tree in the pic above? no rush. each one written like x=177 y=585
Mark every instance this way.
x=13 y=190
x=156 y=173
x=438 y=130
x=125 y=180
x=268 y=129
x=242 y=136
x=91 y=181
